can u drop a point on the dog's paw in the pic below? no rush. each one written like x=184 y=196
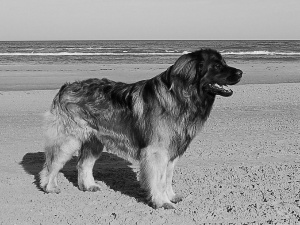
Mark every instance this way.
x=168 y=206
x=54 y=190
x=94 y=188
x=177 y=198
x=91 y=188
x=164 y=205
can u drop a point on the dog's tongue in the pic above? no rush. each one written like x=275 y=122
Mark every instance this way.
x=222 y=90
x=223 y=87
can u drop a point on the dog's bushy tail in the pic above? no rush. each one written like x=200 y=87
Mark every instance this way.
x=70 y=103
x=61 y=103
x=56 y=103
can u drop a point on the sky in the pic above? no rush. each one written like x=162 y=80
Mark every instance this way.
x=149 y=19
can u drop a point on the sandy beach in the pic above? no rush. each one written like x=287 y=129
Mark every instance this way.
x=243 y=168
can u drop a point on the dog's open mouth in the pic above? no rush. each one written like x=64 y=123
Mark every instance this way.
x=217 y=89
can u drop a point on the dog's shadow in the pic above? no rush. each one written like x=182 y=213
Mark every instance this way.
x=114 y=171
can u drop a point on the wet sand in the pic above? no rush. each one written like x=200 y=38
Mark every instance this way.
x=45 y=77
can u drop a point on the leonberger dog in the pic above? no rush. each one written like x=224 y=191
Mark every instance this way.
x=152 y=121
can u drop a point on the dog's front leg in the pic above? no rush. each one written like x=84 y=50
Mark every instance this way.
x=169 y=189
x=153 y=176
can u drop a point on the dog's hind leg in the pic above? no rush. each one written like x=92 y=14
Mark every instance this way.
x=170 y=192
x=90 y=151
x=57 y=153
x=153 y=175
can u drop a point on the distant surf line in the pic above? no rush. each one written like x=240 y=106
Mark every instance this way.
x=84 y=53
x=260 y=53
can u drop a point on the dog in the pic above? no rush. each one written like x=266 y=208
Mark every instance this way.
x=152 y=121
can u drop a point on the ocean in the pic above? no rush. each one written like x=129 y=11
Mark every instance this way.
x=141 y=52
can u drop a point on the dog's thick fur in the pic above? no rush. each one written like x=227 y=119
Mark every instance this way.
x=152 y=121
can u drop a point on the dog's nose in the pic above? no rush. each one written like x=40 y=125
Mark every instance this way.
x=239 y=73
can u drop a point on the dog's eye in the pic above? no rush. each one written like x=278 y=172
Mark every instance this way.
x=218 y=66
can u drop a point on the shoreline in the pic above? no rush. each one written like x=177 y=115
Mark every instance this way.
x=25 y=77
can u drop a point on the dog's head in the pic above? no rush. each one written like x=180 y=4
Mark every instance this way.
x=208 y=70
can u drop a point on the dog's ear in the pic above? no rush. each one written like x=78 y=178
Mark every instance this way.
x=185 y=67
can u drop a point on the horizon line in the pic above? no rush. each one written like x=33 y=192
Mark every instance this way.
x=151 y=40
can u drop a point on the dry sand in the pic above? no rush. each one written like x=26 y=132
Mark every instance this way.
x=243 y=167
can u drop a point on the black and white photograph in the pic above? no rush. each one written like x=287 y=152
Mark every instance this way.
x=165 y=112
